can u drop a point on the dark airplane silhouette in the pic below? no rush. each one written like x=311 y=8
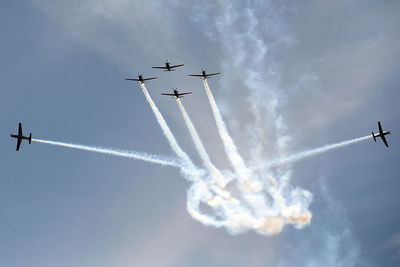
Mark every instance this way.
x=168 y=66
x=20 y=136
x=203 y=74
x=176 y=94
x=381 y=134
x=140 y=78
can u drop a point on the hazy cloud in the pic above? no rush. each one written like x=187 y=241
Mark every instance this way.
x=395 y=243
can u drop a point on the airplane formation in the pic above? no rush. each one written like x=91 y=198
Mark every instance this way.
x=176 y=94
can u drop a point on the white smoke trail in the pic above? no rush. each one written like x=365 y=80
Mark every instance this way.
x=200 y=147
x=230 y=148
x=316 y=151
x=189 y=166
x=255 y=209
x=116 y=152
x=267 y=201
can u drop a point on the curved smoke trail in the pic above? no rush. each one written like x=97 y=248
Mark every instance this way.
x=265 y=200
x=261 y=205
x=116 y=152
x=200 y=147
x=188 y=164
x=236 y=160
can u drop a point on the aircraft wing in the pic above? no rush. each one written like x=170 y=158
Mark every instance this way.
x=168 y=94
x=175 y=66
x=195 y=75
x=184 y=93
x=20 y=129
x=132 y=79
x=380 y=127
x=19 y=143
x=163 y=68
x=384 y=140
x=212 y=74
x=147 y=79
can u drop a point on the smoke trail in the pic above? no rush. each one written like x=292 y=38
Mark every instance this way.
x=267 y=201
x=167 y=132
x=199 y=145
x=230 y=148
x=116 y=152
x=316 y=151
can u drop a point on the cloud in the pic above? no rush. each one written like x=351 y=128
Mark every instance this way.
x=125 y=32
x=395 y=243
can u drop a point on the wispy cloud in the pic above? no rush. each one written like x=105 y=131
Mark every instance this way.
x=122 y=31
x=329 y=242
x=395 y=243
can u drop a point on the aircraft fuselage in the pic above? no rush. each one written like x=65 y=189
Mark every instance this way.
x=381 y=134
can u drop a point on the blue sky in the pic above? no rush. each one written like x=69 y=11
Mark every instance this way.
x=319 y=72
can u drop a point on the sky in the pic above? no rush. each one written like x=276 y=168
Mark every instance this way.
x=294 y=76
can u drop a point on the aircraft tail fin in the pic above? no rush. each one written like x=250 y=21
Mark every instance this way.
x=30 y=138
x=373 y=135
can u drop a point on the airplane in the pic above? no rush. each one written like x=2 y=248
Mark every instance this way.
x=381 y=134
x=176 y=94
x=203 y=74
x=140 y=78
x=168 y=66
x=20 y=136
